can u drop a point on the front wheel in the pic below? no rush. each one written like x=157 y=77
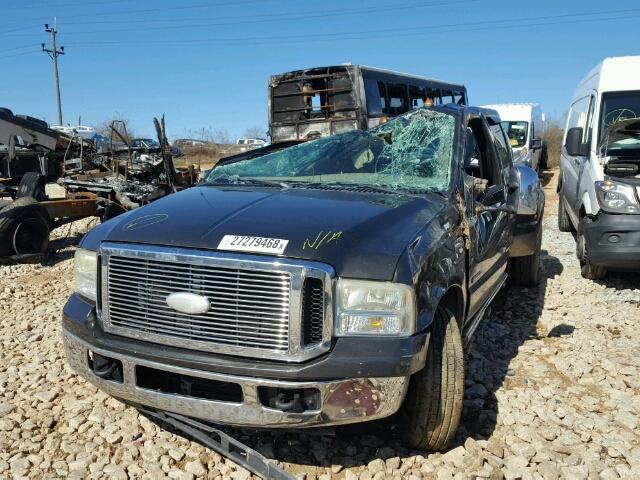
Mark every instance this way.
x=587 y=269
x=433 y=407
x=564 y=223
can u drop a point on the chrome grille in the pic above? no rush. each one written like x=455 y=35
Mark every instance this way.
x=248 y=308
x=256 y=302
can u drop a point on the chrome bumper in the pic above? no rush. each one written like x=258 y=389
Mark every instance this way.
x=342 y=401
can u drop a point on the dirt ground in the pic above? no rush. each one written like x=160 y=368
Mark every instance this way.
x=552 y=391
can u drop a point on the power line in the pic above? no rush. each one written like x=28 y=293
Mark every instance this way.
x=255 y=18
x=379 y=33
x=21 y=53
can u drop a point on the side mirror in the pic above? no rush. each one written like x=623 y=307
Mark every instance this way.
x=536 y=143
x=529 y=190
x=573 y=143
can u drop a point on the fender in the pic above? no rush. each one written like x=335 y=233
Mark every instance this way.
x=586 y=204
x=435 y=264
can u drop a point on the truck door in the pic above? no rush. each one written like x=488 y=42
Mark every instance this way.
x=572 y=166
x=490 y=231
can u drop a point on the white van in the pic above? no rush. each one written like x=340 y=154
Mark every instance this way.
x=524 y=125
x=599 y=185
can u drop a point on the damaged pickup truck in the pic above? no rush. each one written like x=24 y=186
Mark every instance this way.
x=332 y=282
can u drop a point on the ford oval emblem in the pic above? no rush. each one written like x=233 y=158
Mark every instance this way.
x=190 y=303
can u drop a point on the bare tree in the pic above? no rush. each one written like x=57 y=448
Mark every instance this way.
x=208 y=134
x=254 y=132
x=552 y=137
x=123 y=125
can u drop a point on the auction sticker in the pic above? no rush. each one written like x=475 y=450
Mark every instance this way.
x=243 y=243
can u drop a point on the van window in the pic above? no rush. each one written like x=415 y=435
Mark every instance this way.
x=578 y=114
x=516 y=132
x=588 y=132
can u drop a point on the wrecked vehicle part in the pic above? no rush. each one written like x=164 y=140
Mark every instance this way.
x=103 y=184
x=412 y=155
x=323 y=101
x=355 y=276
x=224 y=444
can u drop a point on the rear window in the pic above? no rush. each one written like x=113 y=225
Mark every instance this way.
x=313 y=94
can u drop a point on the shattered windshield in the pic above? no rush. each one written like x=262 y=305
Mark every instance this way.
x=517 y=133
x=413 y=152
x=618 y=131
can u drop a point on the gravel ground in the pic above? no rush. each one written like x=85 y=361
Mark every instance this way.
x=553 y=391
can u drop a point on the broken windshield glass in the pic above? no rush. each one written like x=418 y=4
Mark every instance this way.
x=413 y=151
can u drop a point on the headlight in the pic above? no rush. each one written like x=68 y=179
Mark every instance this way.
x=374 y=308
x=85 y=271
x=616 y=197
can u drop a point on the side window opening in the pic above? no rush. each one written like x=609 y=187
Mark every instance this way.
x=376 y=93
x=416 y=96
x=397 y=99
x=488 y=160
x=500 y=142
x=316 y=104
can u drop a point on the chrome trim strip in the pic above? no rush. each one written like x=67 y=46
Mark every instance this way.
x=298 y=270
x=342 y=401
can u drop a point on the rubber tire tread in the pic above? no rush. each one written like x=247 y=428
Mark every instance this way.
x=587 y=270
x=32 y=184
x=432 y=410
x=525 y=271
x=564 y=222
x=8 y=216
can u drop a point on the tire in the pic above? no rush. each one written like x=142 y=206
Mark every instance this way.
x=587 y=269
x=432 y=409
x=544 y=158
x=32 y=185
x=564 y=222
x=24 y=229
x=525 y=271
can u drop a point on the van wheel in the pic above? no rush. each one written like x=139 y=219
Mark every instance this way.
x=432 y=409
x=525 y=271
x=564 y=222
x=587 y=269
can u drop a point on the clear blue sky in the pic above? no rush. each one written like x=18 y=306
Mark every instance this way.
x=206 y=63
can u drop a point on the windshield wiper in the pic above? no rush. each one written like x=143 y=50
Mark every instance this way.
x=359 y=186
x=248 y=181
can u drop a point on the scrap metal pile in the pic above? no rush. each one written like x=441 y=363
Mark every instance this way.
x=102 y=178
x=128 y=173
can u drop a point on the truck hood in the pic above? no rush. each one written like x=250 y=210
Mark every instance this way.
x=361 y=235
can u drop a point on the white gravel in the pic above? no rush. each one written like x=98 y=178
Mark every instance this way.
x=553 y=391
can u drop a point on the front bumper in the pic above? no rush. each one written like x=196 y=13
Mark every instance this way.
x=613 y=241
x=359 y=379
x=340 y=401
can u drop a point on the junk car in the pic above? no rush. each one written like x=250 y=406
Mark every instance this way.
x=332 y=282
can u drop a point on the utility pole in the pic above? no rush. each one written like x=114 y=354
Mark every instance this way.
x=53 y=52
